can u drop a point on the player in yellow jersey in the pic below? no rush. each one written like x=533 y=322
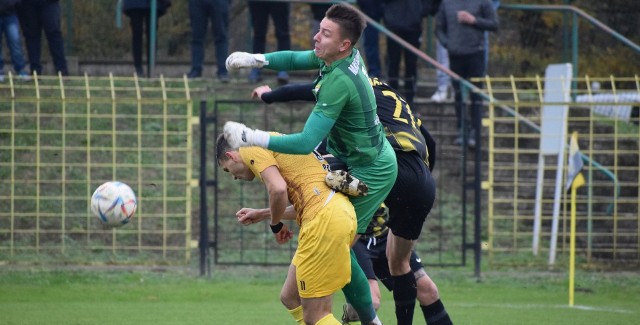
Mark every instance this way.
x=327 y=220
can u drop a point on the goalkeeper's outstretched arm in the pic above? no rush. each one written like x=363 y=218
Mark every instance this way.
x=315 y=129
x=281 y=61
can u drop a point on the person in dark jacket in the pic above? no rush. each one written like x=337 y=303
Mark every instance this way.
x=200 y=13
x=403 y=18
x=460 y=28
x=370 y=35
x=279 y=12
x=9 y=27
x=139 y=12
x=36 y=16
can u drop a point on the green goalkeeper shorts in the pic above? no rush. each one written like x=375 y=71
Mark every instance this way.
x=379 y=177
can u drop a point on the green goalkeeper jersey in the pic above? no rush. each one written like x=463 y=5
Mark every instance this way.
x=344 y=95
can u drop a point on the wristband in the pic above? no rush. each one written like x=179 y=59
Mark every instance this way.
x=277 y=227
x=260 y=138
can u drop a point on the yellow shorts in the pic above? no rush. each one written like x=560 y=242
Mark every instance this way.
x=323 y=264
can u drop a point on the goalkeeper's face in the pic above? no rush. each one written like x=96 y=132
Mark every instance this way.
x=237 y=168
x=330 y=46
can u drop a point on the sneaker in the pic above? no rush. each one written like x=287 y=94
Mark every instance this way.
x=471 y=139
x=283 y=78
x=194 y=74
x=471 y=143
x=254 y=76
x=342 y=181
x=440 y=95
x=349 y=315
x=140 y=72
x=458 y=141
x=23 y=76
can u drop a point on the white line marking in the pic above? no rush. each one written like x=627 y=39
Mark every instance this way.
x=541 y=306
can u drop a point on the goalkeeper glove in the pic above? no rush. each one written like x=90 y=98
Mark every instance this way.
x=239 y=135
x=239 y=60
x=342 y=181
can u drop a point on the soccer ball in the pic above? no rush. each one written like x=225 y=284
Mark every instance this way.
x=114 y=203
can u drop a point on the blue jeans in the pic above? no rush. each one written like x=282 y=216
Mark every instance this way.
x=36 y=16
x=200 y=12
x=373 y=9
x=9 y=27
x=279 y=12
x=444 y=80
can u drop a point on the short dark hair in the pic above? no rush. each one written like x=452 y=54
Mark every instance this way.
x=351 y=22
x=222 y=147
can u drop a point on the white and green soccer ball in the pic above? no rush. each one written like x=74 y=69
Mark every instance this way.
x=114 y=203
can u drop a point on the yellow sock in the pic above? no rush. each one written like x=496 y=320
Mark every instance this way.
x=328 y=320
x=296 y=313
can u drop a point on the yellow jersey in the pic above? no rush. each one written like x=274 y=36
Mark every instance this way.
x=304 y=175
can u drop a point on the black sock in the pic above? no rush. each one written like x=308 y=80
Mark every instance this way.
x=435 y=314
x=404 y=294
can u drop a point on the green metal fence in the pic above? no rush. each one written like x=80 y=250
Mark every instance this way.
x=60 y=138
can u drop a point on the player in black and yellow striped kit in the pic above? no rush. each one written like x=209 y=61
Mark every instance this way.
x=411 y=197
x=370 y=250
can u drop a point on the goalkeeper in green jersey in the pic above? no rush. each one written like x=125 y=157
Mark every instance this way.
x=345 y=113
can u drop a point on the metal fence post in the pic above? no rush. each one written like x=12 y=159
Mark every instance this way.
x=204 y=221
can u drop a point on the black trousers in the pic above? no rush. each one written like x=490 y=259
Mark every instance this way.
x=139 y=22
x=467 y=66
x=279 y=12
x=395 y=53
x=37 y=16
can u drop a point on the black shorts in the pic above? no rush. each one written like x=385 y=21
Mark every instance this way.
x=411 y=197
x=373 y=260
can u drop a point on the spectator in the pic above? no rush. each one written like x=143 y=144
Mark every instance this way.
x=9 y=27
x=260 y=12
x=460 y=27
x=200 y=12
x=36 y=16
x=317 y=13
x=373 y=9
x=403 y=18
x=139 y=12
x=443 y=80
x=496 y=5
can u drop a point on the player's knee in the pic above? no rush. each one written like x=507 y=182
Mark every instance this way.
x=288 y=300
x=427 y=291
x=398 y=265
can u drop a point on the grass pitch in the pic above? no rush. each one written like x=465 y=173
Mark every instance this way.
x=249 y=295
